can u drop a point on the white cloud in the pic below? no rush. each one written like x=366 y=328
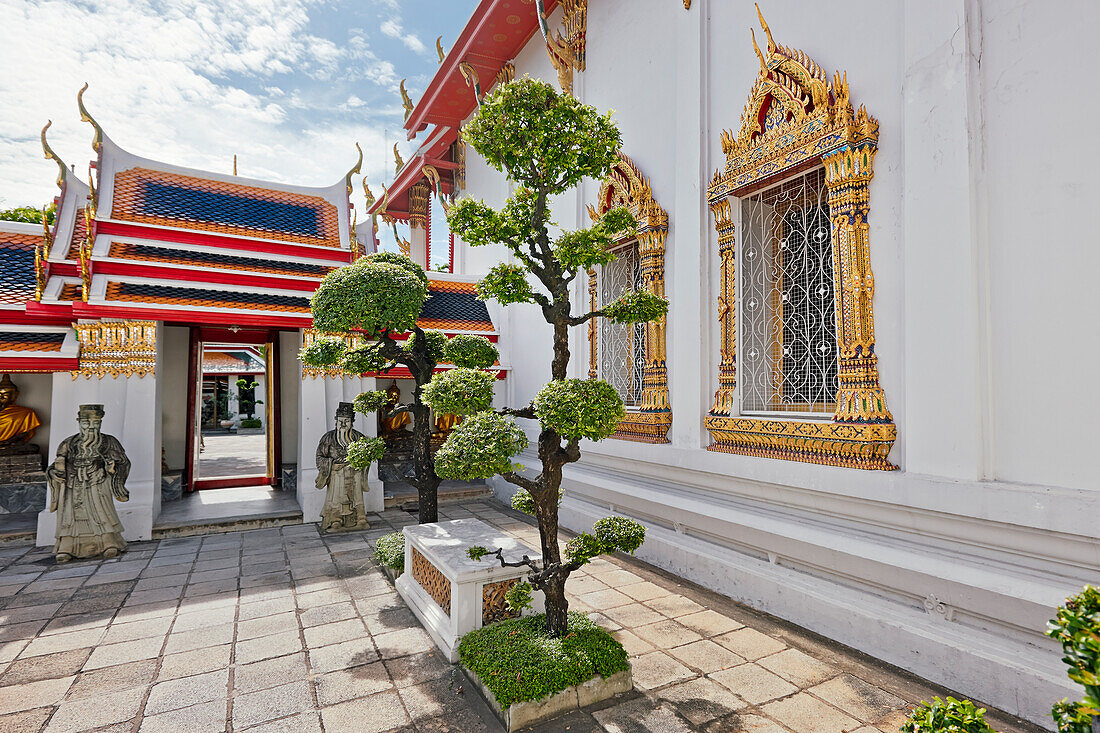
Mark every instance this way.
x=392 y=27
x=191 y=82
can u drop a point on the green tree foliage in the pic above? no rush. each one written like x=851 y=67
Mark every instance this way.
x=460 y=391
x=471 y=352
x=546 y=143
x=29 y=214
x=950 y=716
x=1076 y=626
x=579 y=408
x=380 y=296
x=480 y=446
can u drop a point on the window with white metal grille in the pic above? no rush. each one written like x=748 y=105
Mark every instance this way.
x=787 y=350
x=622 y=346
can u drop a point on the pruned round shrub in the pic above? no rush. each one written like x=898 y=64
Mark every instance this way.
x=1076 y=626
x=946 y=716
x=479 y=447
x=619 y=534
x=365 y=451
x=389 y=551
x=369 y=402
x=505 y=284
x=472 y=352
x=459 y=392
x=522 y=501
x=580 y=408
x=393 y=258
x=636 y=306
x=324 y=351
x=372 y=296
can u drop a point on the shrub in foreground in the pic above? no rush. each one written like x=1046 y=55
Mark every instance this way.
x=518 y=660
x=389 y=550
x=947 y=716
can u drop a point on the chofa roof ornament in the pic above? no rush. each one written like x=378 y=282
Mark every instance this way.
x=354 y=169
x=51 y=155
x=97 y=140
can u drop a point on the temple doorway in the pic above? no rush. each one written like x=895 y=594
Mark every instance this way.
x=234 y=400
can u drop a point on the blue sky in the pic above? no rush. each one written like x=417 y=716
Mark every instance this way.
x=287 y=85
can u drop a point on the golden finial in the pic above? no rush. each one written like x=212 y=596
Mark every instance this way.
x=97 y=140
x=439 y=49
x=397 y=159
x=767 y=31
x=432 y=174
x=234 y=164
x=405 y=101
x=41 y=252
x=367 y=193
x=354 y=169
x=687 y=4
x=51 y=155
x=385 y=200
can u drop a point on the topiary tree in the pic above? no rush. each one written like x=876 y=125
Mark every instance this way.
x=380 y=296
x=546 y=143
x=246 y=397
x=1076 y=626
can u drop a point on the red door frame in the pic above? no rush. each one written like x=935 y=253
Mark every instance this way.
x=270 y=340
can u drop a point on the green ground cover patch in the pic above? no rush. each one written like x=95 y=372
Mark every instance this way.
x=518 y=662
x=389 y=550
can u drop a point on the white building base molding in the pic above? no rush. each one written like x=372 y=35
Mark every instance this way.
x=957 y=598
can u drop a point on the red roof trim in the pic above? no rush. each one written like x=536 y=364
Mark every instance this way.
x=38 y=365
x=194 y=274
x=179 y=236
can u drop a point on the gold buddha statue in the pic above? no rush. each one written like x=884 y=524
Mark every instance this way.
x=17 y=424
x=393 y=420
x=444 y=424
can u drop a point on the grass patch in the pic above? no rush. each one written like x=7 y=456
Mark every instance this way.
x=518 y=662
x=389 y=550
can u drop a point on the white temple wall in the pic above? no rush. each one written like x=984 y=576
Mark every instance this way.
x=177 y=344
x=980 y=223
x=1041 y=189
x=132 y=409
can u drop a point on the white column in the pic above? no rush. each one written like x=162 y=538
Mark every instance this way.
x=318 y=399
x=418 y=246
x=131 y=407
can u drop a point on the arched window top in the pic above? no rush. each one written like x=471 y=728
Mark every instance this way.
x=625 y=186
x=794 y=116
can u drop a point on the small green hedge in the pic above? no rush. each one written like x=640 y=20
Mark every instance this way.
x=252 y=422
x=518 y=662
x=946 y=716
x=389 y=550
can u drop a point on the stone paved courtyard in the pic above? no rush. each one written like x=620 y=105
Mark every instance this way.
x=285 y=629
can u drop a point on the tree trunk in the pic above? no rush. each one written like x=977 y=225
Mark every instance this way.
x=557 y=607
x=546 y=511
x=427 y=482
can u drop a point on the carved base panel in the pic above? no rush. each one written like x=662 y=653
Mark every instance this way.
x=431 y=580
x=644 y=427
x=494 y=607
x=831 y=444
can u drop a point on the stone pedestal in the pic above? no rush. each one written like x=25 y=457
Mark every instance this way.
x=22 y=479
x=452 y=594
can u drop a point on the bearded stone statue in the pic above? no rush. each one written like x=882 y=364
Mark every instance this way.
x=344 y=485
x=88 y=474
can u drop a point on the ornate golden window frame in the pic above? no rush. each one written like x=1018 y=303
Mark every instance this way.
x=818 y=126
x=625 y=186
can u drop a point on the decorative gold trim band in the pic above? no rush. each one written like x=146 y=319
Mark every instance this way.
x=828 y=443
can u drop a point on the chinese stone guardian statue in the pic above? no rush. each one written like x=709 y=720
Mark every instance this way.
x=344 y=485
x=86 y=478
x=17 y=424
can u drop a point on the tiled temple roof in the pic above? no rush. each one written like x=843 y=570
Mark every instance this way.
x=178 y=256
x=80 y=233
x=174 y=200
x=17 y=267
x=454 y=306
x=31 y=341
x=203 y=297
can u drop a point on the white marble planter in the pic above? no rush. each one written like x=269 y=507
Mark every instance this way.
x=452 y=594
x=523 y=714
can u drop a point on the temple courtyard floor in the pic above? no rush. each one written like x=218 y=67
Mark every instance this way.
x=286 y=629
